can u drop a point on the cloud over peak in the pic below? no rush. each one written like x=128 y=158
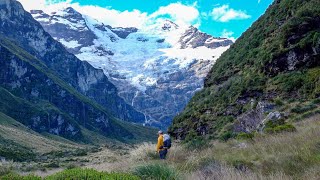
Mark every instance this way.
x=179 y=13
x=224 y=14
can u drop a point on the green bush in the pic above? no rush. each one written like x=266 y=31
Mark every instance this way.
x=273 y=124
x=279 y=102
x=89 y=174
x=302 y=109
x=156 y=171
x=226 y=136
x=281 y=128
x=4 y=170
x=316 y=101
x=243 y=135
x=196 y=143
x=13 y=176
x=52 y=165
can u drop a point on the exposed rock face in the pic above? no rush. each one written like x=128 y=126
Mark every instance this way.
x=194 y=38
x=255 y=119
x=29 y=34
x=156 y=71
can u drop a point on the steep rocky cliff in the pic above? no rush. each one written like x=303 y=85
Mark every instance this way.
x=20 y=26
x=272 y=69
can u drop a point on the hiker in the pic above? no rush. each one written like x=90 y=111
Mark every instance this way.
x=164 y=143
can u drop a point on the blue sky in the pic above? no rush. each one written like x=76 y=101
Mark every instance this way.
x=228 y=18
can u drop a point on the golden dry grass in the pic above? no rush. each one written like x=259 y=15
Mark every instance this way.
x=294 y=155
x=284 y=156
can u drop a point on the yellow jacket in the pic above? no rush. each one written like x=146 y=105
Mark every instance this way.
x=160 y=143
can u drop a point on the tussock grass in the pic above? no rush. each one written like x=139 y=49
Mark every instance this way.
x=276 y=156
x=144 y=152
x=89 y=174
x=285 y=155
x=157 y=171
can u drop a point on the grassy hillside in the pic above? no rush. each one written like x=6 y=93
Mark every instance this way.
x=19 y=143
x=275 y=61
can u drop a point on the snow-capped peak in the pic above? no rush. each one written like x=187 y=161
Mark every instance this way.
x=161 y=59
x=169 y=25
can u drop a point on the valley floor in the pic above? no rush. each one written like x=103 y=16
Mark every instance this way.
x=292 y=155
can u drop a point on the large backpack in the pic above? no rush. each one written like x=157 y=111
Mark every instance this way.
x=166 y=141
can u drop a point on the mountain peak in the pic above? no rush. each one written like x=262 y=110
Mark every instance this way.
x=13 y=7
x=168 y=25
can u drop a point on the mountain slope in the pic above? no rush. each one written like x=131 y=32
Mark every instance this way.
x=33 y=93
x=272 y=67
x=20 y=143
x=156 y=68
x=20 y=26
x=45 y=103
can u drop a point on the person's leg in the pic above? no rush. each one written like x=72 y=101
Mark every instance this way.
x=163 y=153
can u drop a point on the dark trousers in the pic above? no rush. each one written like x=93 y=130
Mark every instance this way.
x=163 y=153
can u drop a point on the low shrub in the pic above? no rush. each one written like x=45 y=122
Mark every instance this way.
x=4 y=170
x=302 y=109
x=13 y=176
x=52 y=165
x=245 y=136
x=278 y=102
x=307 y=115
x=196 y=143
x=281 y=128
x=156 y=171
x=316 y=101
x=88 y=174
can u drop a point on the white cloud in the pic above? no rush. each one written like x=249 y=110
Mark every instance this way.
x=113 y=17
x=224 y=14
x=179 y=13
x=228 y=34
x=41 y=4
x=176 y=12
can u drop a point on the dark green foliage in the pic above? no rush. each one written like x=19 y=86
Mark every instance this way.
x=307 y=115
x=156 y=171
x=303 y=108
x=196 y=143
x=88 y=174
x=273 y=124
x=227 y=135
x=257 y=67
x=316 y=101
x=278 y=126
x=245 y=136
x=52 y=165
x=13 y=151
